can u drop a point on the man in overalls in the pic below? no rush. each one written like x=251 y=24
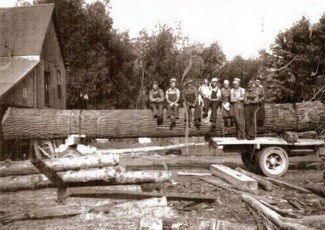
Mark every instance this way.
x=214 y=100
x=172 y=98
x=237 y=95
x=156 y=97
x=227 y=108
x=251 y=101
x=190 y=97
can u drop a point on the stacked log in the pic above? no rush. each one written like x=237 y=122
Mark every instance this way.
x=50 y=123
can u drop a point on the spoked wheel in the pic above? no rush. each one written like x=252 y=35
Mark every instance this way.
x=249 y=160
x=273 y=161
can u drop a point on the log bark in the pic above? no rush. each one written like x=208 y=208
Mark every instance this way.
x=14 y=168
x=86 y=177
x=275 y=218
x=50 y=123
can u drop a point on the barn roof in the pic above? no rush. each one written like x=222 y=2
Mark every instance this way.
x=12 y=71
x=23 y=29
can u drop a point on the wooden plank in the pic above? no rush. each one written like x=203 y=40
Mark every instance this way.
x=258 y=140
x=233 y=177
x=99 y=193
x=288 y=185
x=193 y=174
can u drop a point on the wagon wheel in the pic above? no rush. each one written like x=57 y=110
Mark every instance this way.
x=273 y=161
x=249 y=160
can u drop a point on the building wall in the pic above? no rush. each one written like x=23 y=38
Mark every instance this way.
x=52 y=62
x=23 y=94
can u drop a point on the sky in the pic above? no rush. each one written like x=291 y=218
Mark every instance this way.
x=242 y=27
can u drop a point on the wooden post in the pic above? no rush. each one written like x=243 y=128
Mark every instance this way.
x=2 y=142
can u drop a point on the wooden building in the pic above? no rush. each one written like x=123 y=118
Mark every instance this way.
x=32 y=71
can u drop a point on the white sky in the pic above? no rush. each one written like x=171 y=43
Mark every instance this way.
x=240 y=26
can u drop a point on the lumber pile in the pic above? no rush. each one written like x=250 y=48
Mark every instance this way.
x=50 y=123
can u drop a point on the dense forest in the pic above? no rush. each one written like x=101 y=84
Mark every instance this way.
x=116 y=71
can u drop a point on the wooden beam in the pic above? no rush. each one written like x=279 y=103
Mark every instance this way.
x=99 y=193
x=288 y=185
x=233 y=177
x=266 y=185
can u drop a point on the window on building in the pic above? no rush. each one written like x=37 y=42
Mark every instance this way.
x=58 y=80
x=47 y=76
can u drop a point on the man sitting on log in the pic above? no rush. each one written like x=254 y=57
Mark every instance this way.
x=156 y=97
x=172 y=98
x=237 y=99
x=227 y=109
x=215 y=100
x=190 y=97
x=251 y=102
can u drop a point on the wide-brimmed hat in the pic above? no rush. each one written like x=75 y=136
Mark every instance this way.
x=188 y=81
x=172 y=80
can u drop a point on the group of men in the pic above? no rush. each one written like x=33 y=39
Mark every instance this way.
x=239 y=106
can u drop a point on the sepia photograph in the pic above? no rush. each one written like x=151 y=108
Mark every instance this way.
x=162 y=114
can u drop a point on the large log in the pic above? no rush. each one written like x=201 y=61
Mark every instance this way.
x=85 y=177
x=50 y=123
x=13 y=168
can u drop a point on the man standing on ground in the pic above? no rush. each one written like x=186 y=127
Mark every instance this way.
x=190 y=97
x=156 y=97
x=227 y=109
x=215 y=100
x=205 y=92
x=251 y=102
x=172 y=98
x=261 y=110
x=237 y=98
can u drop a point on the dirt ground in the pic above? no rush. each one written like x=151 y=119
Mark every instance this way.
x=228 y=205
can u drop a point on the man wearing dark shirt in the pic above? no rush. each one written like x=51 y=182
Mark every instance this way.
x=156 y=97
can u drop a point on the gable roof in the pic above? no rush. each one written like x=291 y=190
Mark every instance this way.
x=23 y=29
x=12 y=71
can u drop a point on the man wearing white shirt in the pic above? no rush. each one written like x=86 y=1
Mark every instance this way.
x=205 y=93
x=237 y=95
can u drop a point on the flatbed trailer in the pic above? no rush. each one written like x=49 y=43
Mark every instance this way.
x=269 y=155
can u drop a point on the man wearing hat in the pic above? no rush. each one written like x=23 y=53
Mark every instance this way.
x=190 y=97
x=205 y=92
x=237 y=95
x=251 y=101
x=261 y=110
x=215 y=100
x=227 y=108
x=172 y=98
x=156 y=97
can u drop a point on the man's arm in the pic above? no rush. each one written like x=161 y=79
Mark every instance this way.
x=178 y=96
x=151 y=96
x=167 y=97
x=161 y=94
